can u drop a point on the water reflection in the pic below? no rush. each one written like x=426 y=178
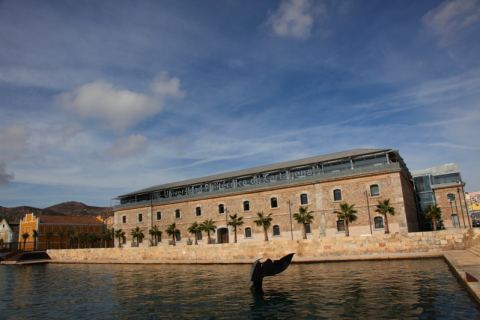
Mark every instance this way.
x=422 y=289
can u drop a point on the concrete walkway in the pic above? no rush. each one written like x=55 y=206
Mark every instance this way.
x=466 y=265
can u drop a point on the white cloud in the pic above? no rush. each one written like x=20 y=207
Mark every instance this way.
x=129 y=146
x=294 y=18
x=13 y=142
x=4 y=176
x=451 y=17
x=120 y=108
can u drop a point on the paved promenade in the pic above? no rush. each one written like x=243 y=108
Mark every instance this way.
x=466 y=265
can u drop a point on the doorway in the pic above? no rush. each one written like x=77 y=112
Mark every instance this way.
x=222 y=235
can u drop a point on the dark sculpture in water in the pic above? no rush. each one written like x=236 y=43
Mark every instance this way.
x=266 y=269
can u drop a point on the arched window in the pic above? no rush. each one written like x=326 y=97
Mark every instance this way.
x=178 y=214
x=307 y=228
x=140 y=217
x=303 y=198
x=248 y=232
x=378 y=222
x=221 y=208
x=374 y=190
x=340 y=225
x=178 y=236
x=246 y=205
x=273 y=202
x=198 y=211
x=451 y=197
x=276 y=230
x=159 y=215
x=337 y=195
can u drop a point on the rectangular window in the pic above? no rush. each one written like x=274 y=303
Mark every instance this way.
x=140 y=217
x=177 y=214
x=198 y=211
x=124 y=219
x=307 y=228
x=273 y=203
x=340 y=225
x=303 y=198
x=159 y=215
x=246 y=206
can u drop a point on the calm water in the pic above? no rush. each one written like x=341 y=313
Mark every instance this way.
x=424 y=289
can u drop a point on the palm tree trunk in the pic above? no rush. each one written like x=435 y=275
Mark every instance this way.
x=208 y=235
x=235 y=233
x=266 y=234
x=387 y=230
x=347 y=231
x=173 y=239
x=434 y=225
x=196 y=241
x=304 y=231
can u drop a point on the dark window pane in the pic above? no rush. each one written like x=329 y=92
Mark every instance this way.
x=140 y=217
x=246 y=205
x=178 y=236
x=198 y=211
x=378 y=222
x=248 y=232
x=340 y=225
x=177 y=213
x=159 y=215
x=303 y=198
x=374 y=190
x=307 y=228
x=337 y=195
x=276 y=230
x=124 y=219
x=273 y=203
x=221 y=208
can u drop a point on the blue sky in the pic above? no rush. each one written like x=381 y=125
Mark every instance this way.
x=98 y=98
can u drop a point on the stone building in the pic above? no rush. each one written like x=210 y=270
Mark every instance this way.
x=442 y=185
x=361 y=177
x=53 y=230
x=6 y=232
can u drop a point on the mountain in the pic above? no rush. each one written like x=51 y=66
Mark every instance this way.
x=71 y=208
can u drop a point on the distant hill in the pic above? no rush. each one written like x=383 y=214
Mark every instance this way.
x=71 y=208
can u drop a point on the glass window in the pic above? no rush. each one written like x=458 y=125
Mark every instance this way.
x=340 y=225
x=337 y=195
x=221 y=208
x=248 y=232
x=307 y=228
x=124 y=219
x=159 y=215
x=447 y=178
x=177 y=214
x=374 y=190
x=178 y=236
x=273 y=203
x=378 y=222
x=198 y=211
x=276 y=230
x=303 y=198
x=140 y=217
x=451 y=197
x=199 y=235
x=246 y=205
x=422 y=183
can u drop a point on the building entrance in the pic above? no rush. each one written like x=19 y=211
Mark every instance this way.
x=222 y=235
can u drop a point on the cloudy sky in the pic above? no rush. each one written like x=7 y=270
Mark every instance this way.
x=98 y=98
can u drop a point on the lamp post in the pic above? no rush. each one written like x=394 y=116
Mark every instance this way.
x=226 y=223
x=368 y=210
x=291 y=224
x=461 y=207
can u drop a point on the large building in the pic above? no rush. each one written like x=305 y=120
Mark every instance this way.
x=443 y=186
x=361 y=177
x=54 y=231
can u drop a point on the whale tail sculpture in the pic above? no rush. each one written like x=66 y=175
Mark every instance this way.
x=267 y=269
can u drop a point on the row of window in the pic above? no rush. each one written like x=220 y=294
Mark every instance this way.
x=337 y=196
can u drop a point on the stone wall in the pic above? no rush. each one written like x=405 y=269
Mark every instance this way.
x=420 y=244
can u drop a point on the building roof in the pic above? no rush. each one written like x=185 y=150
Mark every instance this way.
x=442 y=169
x=69 y=220
x=265 y=168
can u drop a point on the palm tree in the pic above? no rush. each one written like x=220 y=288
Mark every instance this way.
x=25 y=236
x=264 y=221
x=194 y=229
x=304 y=217
x=61 y=234
x=348 y=214
x=155 y=233
x=235 y=222
x=384 y=208
x=120 y=235
x=48 y=237
x=107 y=236
x=434 y=213
x=208 y=226
x=70 y=233
x=35 y=237
x=137 y=234
x=172 y=231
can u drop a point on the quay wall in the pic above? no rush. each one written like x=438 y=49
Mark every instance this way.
x=392 y=246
